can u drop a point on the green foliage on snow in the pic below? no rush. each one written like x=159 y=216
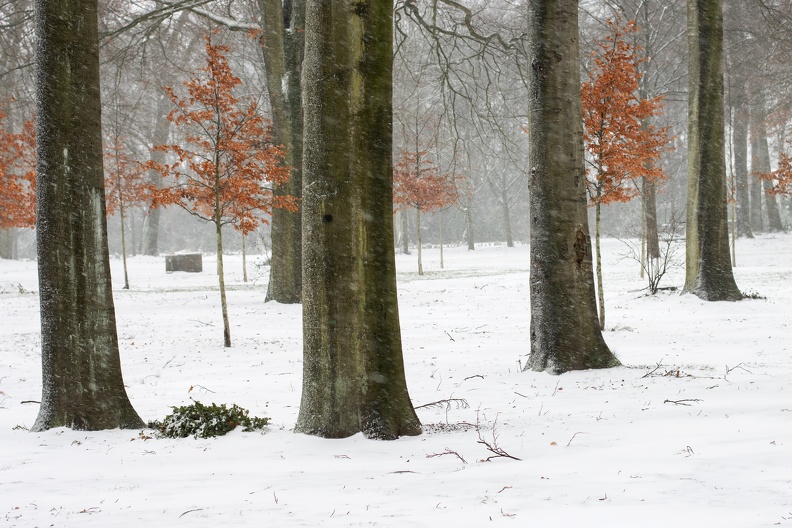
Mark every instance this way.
x=204 y=421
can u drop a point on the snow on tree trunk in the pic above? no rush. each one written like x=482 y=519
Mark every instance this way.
x=82 y=383
x=353 y=374
x=565 y=333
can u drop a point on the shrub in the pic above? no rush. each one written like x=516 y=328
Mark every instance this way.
x=204 y=421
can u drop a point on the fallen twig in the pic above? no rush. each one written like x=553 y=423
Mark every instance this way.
x=687 y=402
x=448 y=452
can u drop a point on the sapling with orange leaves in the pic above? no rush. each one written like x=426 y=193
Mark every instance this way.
x=227 y=164
x=621 y=147
x=17 y=176
x=418 y=183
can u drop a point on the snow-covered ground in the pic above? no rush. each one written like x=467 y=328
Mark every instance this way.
x=694 y=430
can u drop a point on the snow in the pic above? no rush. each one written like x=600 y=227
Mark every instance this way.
x=597 y=448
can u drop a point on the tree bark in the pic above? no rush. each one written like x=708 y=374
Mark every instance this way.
x=418 y=238
x=600 y=289
x=282 y=48
x=565 y=332
x=504 y=200
x=353 y=374
x=471 y=240
x=82 y=383
x=760 y=161
x=740 y=148
x=708 y=263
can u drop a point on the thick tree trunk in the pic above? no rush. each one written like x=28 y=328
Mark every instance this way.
x=151 y=223
x=82 y=383
x=760 y=161
x=565 y=332
x=282 y=48
x=740 y=149
x=353 y=374
x=708 y=264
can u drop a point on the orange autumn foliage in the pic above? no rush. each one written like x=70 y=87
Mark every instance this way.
x=622 y=148
x=125 y=182
x=418 y=183
x=781 y=178
x=17 y=176
x=224 y=171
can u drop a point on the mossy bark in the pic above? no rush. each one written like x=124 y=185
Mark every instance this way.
x=282 y=48
x=353 y=373
x=565 y=331
x=708 y=270
x=82 y=383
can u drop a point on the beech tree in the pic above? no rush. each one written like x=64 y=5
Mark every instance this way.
x=225 y=173
x=82 y=383
x=418 y=183
x=708 y=263
x=353 y=369
x=565 y=332
x=624 y=149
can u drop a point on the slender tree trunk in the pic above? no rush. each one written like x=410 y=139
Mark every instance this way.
x=123 y=237
x=708 y=263
x=282 y=48
x=220 y=272
x=244 y=260
x=740 y=147
x=353 y=371
x=643 y=237
x=507 y=219
x=600 y=290
x=442 y=264
x=760 y=160
x=565 y=332
x=81 y=370
x=151 y=223
x=405 y=239
x=418 y=238
x=471 y=240
x=7 y=243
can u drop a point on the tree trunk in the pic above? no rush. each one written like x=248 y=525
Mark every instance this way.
x=565 y=332
x=123 y=233
x=282 y=49
x=760 y=160
x=507 y=219
x=404 y=229
x=708 y=264
x=244 y=260
x=7 y=243
x=740 y=148
x=442 y=264
x=82 y=382
x=353 y=373
x=220 y=271
x=418 y=238
x=600 y=290
x=150 y=235
x=471 y=241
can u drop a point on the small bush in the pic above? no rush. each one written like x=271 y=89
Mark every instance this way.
x=204 y=421
x=750 y=294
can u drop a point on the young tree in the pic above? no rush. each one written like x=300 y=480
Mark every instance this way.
x=417 y=183
x=624 y=149
x=82 y=383
x=353 y=369
x=222 y=174
x=565 y=333
x=17 y=176
x=126 y=186
x=708 y=263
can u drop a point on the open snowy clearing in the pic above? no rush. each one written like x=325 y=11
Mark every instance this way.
x=694 y=430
